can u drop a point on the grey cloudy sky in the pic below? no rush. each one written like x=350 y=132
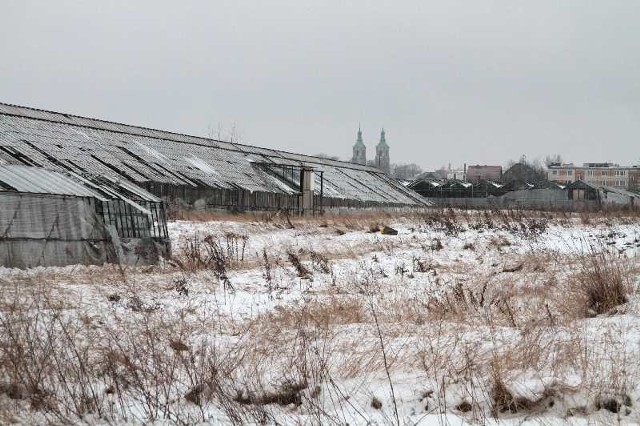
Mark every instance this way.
x=479 y=82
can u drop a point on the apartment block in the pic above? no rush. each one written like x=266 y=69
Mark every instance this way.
x=599 y=174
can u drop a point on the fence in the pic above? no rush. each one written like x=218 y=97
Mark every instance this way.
x=533 y=199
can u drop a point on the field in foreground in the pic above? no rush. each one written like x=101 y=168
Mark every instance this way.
x=480 y=317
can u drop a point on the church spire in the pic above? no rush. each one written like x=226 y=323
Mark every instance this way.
x=383 y=139
x=382 y=154
x=359 y=150
x=359 y=138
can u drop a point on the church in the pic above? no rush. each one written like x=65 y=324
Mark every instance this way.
x=382 y=152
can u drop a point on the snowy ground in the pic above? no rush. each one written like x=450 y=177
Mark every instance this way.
x=460 y=317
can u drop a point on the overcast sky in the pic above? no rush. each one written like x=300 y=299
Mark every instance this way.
x=476 y=82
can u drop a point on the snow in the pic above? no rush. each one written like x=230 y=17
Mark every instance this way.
x=451 y=316
x=202 y=165
x=152 y=152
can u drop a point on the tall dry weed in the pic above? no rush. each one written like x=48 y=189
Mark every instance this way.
x=602 y=284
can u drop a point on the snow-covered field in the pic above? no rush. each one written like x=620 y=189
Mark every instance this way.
x=462 y=317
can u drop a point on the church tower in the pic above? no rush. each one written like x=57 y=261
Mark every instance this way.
x=359 y=150
x=382 y=154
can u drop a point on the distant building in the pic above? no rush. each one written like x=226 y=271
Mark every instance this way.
x=598 y=174
x=634 y=179
x=359 y=150
x=382 y=154
x=452 y=174
x=477 y=173
x=524 y=173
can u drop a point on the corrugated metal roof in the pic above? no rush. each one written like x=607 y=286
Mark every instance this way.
x=98 y=148
x=140 y=194
x=37 y=180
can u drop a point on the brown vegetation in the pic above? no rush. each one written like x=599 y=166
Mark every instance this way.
x=88 y=345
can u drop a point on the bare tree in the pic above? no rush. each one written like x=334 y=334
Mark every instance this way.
x=527 y=170
x=220 y=133
x=552 y=159
x=405 y=171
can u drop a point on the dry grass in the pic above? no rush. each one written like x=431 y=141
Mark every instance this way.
x=332 y=312
x=532 y=221
x=602 y=284
x=467 y=330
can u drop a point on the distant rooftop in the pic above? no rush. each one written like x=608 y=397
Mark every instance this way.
x=600 y=165
x=589 y=165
